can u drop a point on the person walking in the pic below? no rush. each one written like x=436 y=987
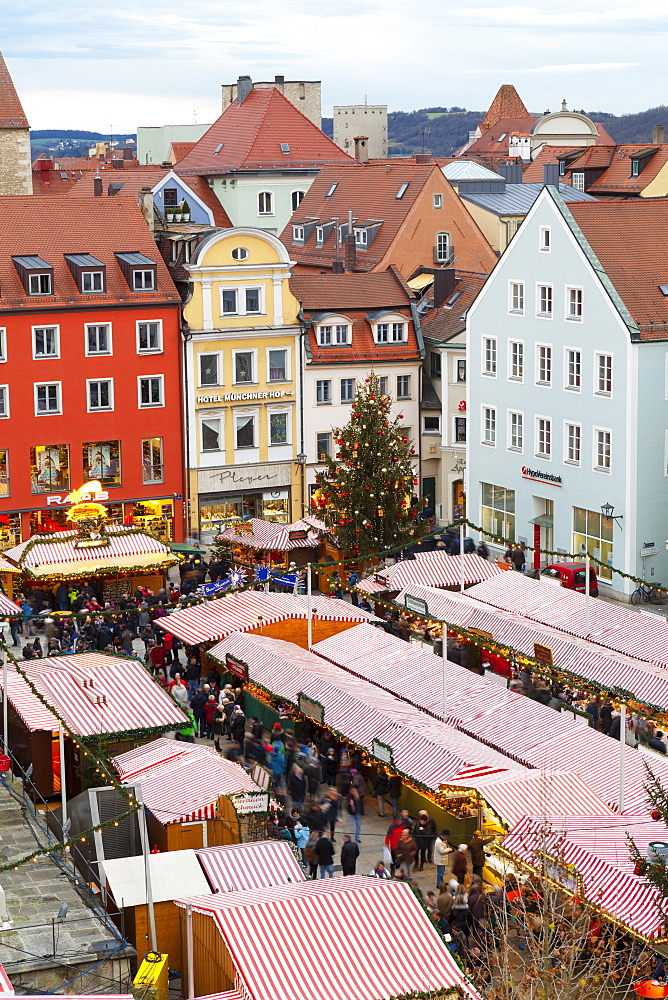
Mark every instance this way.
x=324 y=852
x=350 y=852
x=330 y=806
x=353 y=807
x=477 y=852
x=358 y=782
x=459 y=863
x=209 y=713
x=297 y=786
x=197 y=703
x=381 y=787
x=442 y=852
x=395 y=792
x=405 y=853
x=424 y=832
x=309 y=853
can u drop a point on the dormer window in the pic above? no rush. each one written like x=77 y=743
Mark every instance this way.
x=562 y=168
x=36 y=274
x=140 y=272
x=635 y=168
x=88 y=272
x=297 y=234
x=361 y=237
x=319 y=234
x=392 y=330
x=334 y=333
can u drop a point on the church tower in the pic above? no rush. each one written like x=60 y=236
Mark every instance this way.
x=15 y=156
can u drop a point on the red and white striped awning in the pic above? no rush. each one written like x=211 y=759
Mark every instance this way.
x=228 y=995
x=431 y=569
x=8 y=609
x=182 y=787
x=270 y=535
x=98 y=694
x=598 y=850
x=249 y=866
x=351 y=938
x=28 y=707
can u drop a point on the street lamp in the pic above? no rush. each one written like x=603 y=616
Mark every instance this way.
x=301 y=461
x=607 y=510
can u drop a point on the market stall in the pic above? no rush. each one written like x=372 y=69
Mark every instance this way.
x=270 y=541
x=431 y=569
x=250 y=866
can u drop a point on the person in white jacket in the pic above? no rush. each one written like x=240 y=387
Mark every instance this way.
x=442 y=851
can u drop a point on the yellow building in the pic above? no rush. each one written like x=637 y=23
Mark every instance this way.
x=242 y=383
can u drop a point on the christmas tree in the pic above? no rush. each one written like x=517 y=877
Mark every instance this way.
x=364 y=494
x=652 y=862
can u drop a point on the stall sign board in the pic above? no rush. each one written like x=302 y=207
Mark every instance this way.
x=298 y=535
x=243 y=529
x=312 y=708
x=382 y=752
x=250 y=802
x=237 y=667
x=543 y=654
x=416 y=604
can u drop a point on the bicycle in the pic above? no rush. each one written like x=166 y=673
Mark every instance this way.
x=648 y=595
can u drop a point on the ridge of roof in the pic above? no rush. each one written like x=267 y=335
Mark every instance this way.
x=506 y=104
x=12 y=114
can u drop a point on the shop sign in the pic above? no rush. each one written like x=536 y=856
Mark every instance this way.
x=541 y=477
x=416 y=604
x=239 y=477
x=57 y=500
x=382 y=752
x=243 y=529
x=543 y=654
x=298 y=535
x=273 y=394
x=312 y=708
x=250 y=802
x=237 y=667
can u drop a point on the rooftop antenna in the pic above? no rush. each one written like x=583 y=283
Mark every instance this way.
x=424 y=131
x=365 y=100
x=195 y=115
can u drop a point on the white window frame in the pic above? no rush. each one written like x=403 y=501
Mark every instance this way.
x=596 y=431
x=161 y=479
x=98 y=354
x=545 y=383
x=567 y=303
x=297 y=234
x=5 y=414
x=333 y=322
x=577 y=462
x=288 y=372
x=488 y=422
x=571 y=387
x=220 y=381
x=150 y=350
x=352 y=379
x=511 y=376
x=516 y=293
x=384 y=384
x=409 y=394
x=391 y=320
x=273 y=411
x=220 y=418
x=437 y=432
x=438 y=201
x=3 y=345
x=46 y=357
x=578 y=180
x=272 y=203
x=597 y=361
x=49 y=413
x=323 y=382
x=442 y=258
x=99 y=409
x=240 y=291
x=319 y=235
x=242 y=415
x=245 y=350
x=299 y=200
x=142 y=286
x=489 y=366
x=151 y=406
x=545 y=239
x=361 y=237
x=517 y=448
x=456 y=417
x=544 y=455
x=40 y=274
x=539 y=286
x=330 y=442
x=92 y=275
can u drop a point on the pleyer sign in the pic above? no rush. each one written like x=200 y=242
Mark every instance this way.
x=62 y=501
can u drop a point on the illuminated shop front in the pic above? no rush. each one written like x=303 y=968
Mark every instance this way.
x=155 y=516
x=218 y=512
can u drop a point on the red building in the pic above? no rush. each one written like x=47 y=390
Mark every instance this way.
x=90 y=384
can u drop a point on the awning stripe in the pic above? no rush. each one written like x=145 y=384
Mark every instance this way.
x=249 y=866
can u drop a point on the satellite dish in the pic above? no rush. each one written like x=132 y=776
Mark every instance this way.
x=657 y=852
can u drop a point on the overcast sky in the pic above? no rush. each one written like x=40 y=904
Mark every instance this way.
x=100 y=65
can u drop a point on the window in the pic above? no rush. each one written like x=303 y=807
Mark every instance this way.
x=92 y=281
x=432 y=425
x=573 y=369
x=543 y=437
x=461 y=370
x=383 y=385
x=516 y=360
x=460 y=430
x=143 y=280
x=604 y=374
x=47 y=398
x=100 y=393
x=443 y=252
x=543 y=364
x=244 y=367
x=489 y=425
x=240 y=253
x=4 y=400
x=545 y=239
x=515 y=431
x=102 y=461
x=278 y=428
x=151 y=458
x=574 y=304
x=347 y=390
x=332 y=189
x=323 y=446
x=278 y=365
x=489 y=355
x=593 y=533
x=98 y=338
x=498 y=511
x=149 y=337
x=434 y=364
x=39 y=284
x=49 y=468
x=297 y=197
x=244 y=430
x=265 y=203
x=562 y=168
x=361 y=237
x=171 y=197
x=578 y=181
x=45 y=342
x=403 y=387
x=323 y=392
x=297 y=234
x=4 y=477
x=241 y=301
x=602 y=450
x=402 y=190
x=319 y=234
x=3 y=344
x=209 y=369
x=252 y=300
x=212 y=434
x=572 y=443
x=331 y=335
x=516 y=303
x=438 y=201
x=229 y=299
x=151 y=390
x=544 y=302
x=635 y=168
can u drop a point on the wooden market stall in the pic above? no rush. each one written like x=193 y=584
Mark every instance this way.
x=7 y=573
x=270 y=542
x=112 y=703
x=194 y=798
x=431 y=569
x=250 y=866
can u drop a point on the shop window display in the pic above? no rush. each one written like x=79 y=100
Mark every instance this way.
x=4 y=473
x=10 y=530
x=156 y=516
x=269 y=505
x=49 y=468
x=102 y=461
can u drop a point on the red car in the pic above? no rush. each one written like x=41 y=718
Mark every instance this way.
x=571 y=576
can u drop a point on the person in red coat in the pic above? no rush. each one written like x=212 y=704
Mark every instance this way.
x=209 y=713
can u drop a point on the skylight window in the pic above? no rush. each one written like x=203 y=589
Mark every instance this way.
x=664 y=290
x=332 y=189
x=402 y=190
x=218 y=147
x=285 y=147
x=502 y=137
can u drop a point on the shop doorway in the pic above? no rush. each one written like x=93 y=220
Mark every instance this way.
x=429 y=494
x=543 y=530
x=458 y=499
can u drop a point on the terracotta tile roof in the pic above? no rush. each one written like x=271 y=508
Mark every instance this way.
x=132 y=181
x=50 y=228
x=65 y=162
x=629 y=238
x=592 y=158
x=11 y=110
x=533 y=174
x=506 y=104
x=50 y=182
x=249 y=136
x=489 y=144
x=204 y=192
x=444 y=323
x=178 y=150
x=617 y=178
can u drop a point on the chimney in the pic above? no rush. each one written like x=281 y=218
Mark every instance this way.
x=444 y=285
x=244 y=87
x=658 y=133
x=279 y=79
x=512 y=172
x=424 y=158
x=337 y=266
x=118 y=164
x=362 y=148
x=128 y=153
x=551 y=174
x=350 y=250
x=145 y=200
x=97 y=186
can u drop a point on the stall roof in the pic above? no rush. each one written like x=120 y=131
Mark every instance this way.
x=7 y=608
x=598 y=849
x=274 y=536
x=246 y=610
x=337 y=918
x=172 y=874
x=43 y=557
x=249 y=866
x=432 y=569
x=185 y=787
x=95 y=694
